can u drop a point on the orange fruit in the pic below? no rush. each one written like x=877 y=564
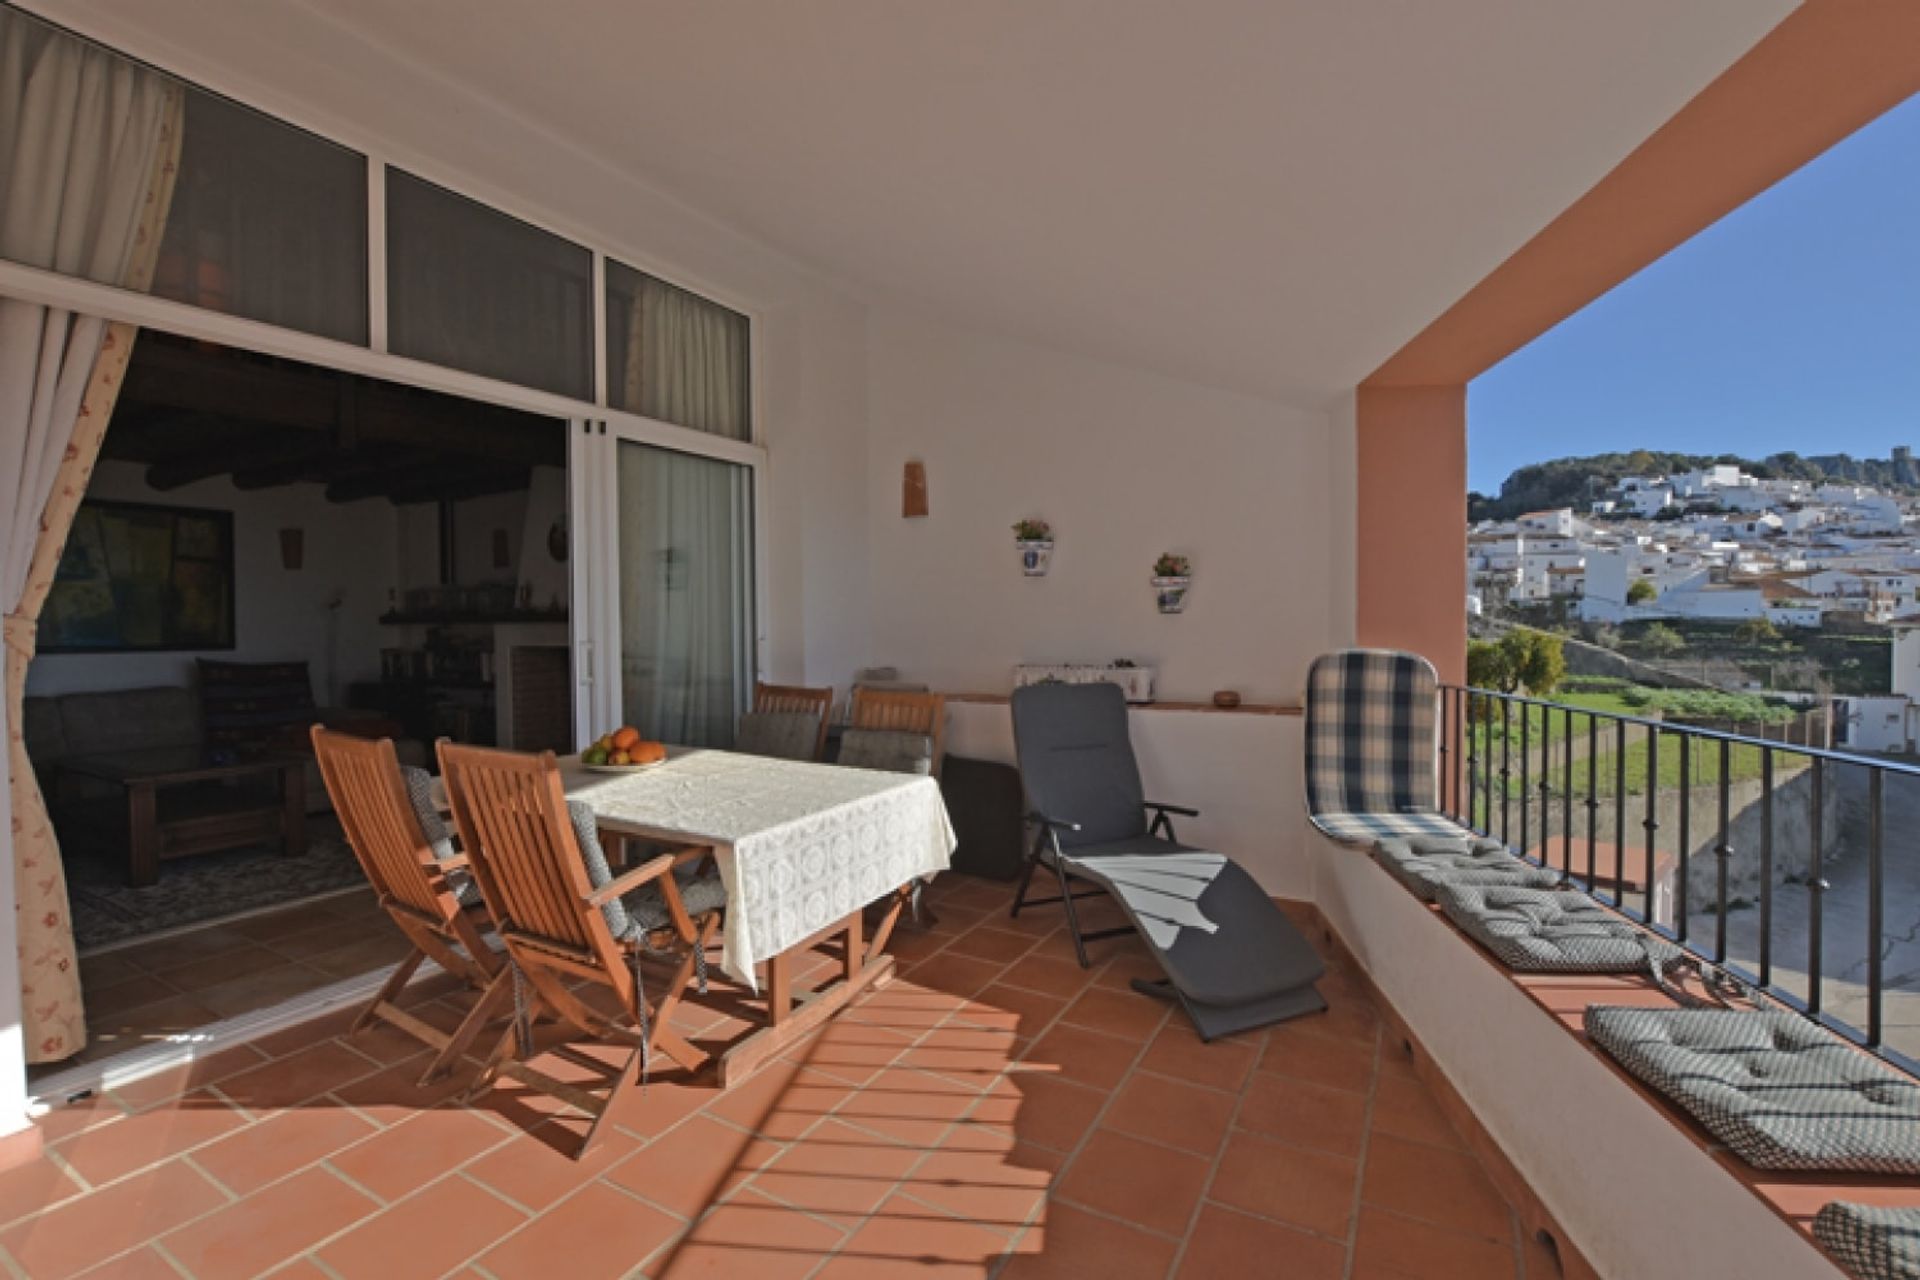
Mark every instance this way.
x=647 y=752
x=625 y=736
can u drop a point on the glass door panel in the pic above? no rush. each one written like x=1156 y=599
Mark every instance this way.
x=684 y=534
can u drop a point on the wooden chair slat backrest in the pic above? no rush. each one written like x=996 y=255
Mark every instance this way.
x=511 y=813
x=362 y=777
x=903 y=711
x=797 y=697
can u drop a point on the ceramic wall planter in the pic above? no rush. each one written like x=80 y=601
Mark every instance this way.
x=1171 y=593
x=1035 y=555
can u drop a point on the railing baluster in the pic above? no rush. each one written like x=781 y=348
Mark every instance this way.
x=1446 y=748
x=1593 y=792
x=1766 y=867
x=1686 y=838
x=1652 y=823
x=1620 y=814
x=1876 y=922
x=1816 y=886
x=1723 y=852
x=1526 y=772
x=1506 y=764
x=1566 y=801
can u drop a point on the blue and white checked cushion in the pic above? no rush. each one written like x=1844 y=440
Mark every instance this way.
x=1368 y=828
x=1871 y=1242
x=1371 y=745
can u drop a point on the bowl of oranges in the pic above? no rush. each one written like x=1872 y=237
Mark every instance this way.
x=623 y=751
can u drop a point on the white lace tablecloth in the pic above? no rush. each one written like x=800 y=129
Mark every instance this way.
x=800 y=846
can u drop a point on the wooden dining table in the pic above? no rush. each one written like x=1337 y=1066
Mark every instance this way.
x=803 y=849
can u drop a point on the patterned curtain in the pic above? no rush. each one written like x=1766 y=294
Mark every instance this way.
x=95 y=142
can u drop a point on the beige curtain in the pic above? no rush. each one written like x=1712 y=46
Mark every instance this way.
x=89 y=144
x=687 y=361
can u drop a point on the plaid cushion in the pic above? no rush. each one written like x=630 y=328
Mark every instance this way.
x=1871 y=1242
x=1368 y=828
x=1370 y=739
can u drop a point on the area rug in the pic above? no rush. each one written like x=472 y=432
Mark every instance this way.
x=207 y=887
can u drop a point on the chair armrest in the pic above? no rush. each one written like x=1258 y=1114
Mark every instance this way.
x=452 y=862
x=1040 y=819
x=650 y=870
x=1180 y=809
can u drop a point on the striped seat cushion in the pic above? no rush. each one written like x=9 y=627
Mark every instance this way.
x=245 y=706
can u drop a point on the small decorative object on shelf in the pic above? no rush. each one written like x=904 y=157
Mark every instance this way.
x=1035 y=540
x=1134 y=680
x=1172 y=575
x=1226 y=699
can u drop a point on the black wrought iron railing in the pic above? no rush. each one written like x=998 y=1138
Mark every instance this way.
x=1777 y=863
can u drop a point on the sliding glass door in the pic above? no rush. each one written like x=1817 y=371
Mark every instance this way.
x=683 y=533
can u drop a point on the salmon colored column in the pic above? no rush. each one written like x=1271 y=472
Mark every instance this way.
x=1411 y=446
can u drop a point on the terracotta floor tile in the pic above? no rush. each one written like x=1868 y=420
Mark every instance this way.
x=392 y=1094
x=907 y=1238
x=102 y=1154
x=394 y=1244
x=1084 y=1057
x=1062 y=979
x=1387 y=1245
x=1013 y=1009
x=996 y=1184
x=852 y=1051
x=965 y=1053
x=1405 y=1109
x=248 y=957
x=1135 y=1181
x=1294 y=1049
x=261 y=989
x=376 y=952
x=909 y=1106
x=1310 y=1189
x=61 y=1122
x=750 y=1238
x=954 y=975
x=194 y=945
x=204 y=1070
x=141 y=1264
x=1226 y=1243
x=33 y=1187
x=1127 y=1014
x=1171 y=1113
x=410 y=1154
x=1068 y=1244
x=780 y=1101
x=1435 y=1185
x=1177 y=1052
x=533 y=1171
x=268 y=1227
x=1306 y=1115
x=995 y=945
x=903 y=1006
x=272 y=1148
x=1040 y=1107
x=297 y=1078
x=113 y=1001
x=281 y=924
x=83 y=1232
x=692 y=1165
x=837 y=1171
x=103 y=969
x=598 y=1232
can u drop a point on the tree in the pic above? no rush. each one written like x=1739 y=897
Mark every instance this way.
x=1757 y=632
x=1641 y=592
x=1662 y=641
x=1535 y=661
x=1487 y=665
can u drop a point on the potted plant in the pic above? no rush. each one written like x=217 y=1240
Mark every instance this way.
x=1172 y=575
x=1035 y=540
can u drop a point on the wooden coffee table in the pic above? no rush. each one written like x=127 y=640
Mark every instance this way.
x=180 y=801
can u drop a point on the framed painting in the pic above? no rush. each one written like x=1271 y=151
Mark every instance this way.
x=140 y=578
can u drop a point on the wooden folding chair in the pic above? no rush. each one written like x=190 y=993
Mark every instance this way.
x=532 y=858
x=775 y=698
x=419 y=886
x=903 y=712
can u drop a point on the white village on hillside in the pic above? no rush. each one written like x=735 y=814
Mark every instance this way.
x=1718 y=544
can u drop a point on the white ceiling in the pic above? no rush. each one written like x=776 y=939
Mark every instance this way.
x=1265 y=195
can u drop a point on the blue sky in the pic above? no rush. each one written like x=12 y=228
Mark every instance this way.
x=1793 y=323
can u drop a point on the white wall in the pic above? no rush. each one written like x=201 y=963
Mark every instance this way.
x=350 y=550
x=1124 y=465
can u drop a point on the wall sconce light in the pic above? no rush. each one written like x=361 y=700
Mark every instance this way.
x=293 y=548
x=913 y=493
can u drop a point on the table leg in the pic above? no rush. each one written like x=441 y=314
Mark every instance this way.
x=856 y=945
x=779 y=989
x=143 y=834
x=293 y=816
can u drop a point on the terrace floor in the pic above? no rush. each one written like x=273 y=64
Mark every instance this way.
x=996 y=1110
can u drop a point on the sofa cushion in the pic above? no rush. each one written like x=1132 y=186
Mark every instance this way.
x=1424 y=863
x=1551 y=931
x=1871 y=1242
x=128 y=720
x=888 y=750
x=787 y=735
x=244 y=706
x=1780 y=1091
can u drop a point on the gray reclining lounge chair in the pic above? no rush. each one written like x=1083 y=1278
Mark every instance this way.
x=1232 y=960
